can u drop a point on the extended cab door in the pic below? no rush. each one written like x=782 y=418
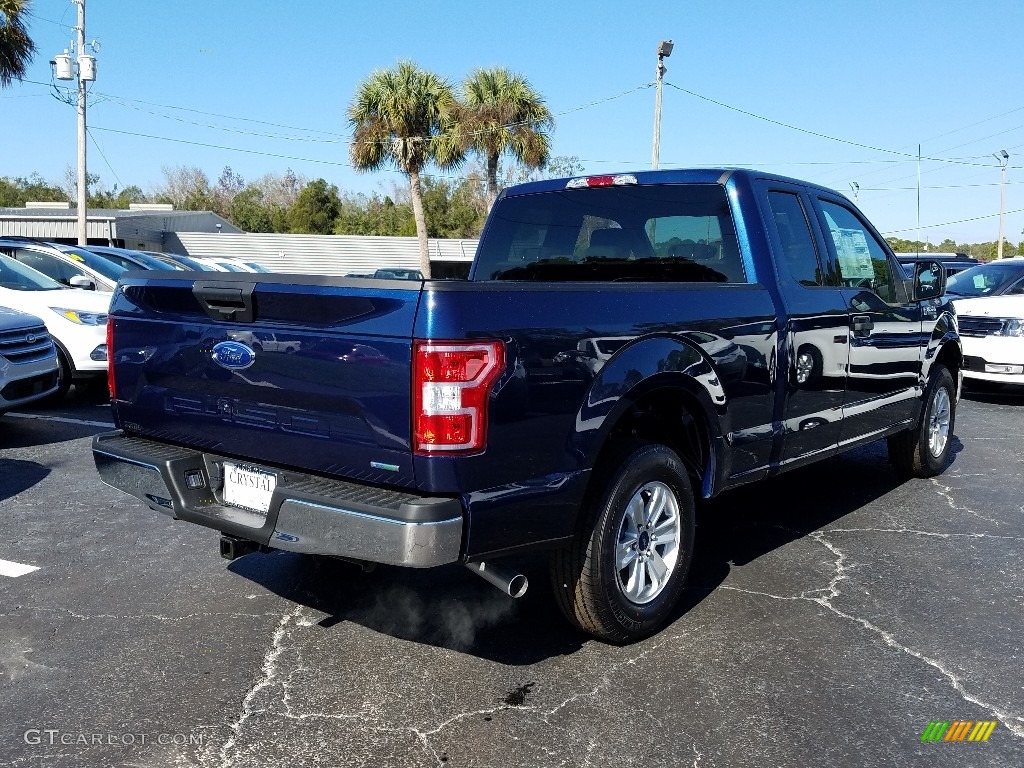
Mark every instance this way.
x=886 y=345
x=815 y=336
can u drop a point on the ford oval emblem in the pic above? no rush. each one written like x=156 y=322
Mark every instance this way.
x=233 y=355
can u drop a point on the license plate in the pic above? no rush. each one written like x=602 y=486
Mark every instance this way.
x=248 y=487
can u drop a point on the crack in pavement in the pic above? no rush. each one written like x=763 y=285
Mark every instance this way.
x=937 y=534
x=1013 y=723
x=133 y=617
x=273 y=676
x=946 y=492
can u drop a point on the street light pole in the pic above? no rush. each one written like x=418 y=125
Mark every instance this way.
x=1002 y=157
x=664 y=51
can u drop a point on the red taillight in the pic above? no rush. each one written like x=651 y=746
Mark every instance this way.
x=451 y=382
x=110 y=359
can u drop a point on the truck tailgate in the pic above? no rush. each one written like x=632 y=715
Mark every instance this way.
x=291 y=370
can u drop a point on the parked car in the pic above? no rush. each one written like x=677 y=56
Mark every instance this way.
x=425 y=424
x=130 y=259
x=992 y=334
x=398 y=273
x=178 y=259
x=76 y=319
x=29 y=370
x=225 y=265
x=996 y=278
x=71 y=266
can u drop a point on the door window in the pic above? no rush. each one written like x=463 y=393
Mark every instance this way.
x=863 y=262
x=51 y=267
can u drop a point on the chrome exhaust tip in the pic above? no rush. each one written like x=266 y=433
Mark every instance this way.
x=512 y=583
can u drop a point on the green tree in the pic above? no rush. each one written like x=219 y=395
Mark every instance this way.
x=452 y=209
x=404 y=117
x=15 y=192
x=250 y=211
x=501 y=114
x=315 y=209
x=373 y=215
x=16 y=48
x=113 y=198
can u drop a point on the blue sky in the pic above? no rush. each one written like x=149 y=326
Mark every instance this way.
x=885 y=75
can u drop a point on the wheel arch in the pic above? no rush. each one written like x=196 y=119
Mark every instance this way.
x=662 y=389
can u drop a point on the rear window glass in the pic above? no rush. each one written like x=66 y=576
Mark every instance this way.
x=663 y=233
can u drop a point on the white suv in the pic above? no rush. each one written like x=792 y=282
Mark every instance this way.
x=992 y=335
x=75 y=318
x=28 y=360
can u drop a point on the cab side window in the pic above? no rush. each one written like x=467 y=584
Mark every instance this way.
x=863 y=262
x=799 y=254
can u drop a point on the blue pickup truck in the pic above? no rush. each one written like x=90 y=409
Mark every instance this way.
x=625 y=345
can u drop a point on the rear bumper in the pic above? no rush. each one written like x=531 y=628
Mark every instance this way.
x=308 y=513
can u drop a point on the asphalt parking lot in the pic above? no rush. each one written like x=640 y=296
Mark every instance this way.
x=832 y=614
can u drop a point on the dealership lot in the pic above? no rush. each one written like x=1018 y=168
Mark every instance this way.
x=832 y=614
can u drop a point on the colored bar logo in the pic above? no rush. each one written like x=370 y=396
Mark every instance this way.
x=959 y=730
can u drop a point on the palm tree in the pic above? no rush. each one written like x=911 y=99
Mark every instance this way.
x=403 y=117
x=16 y=47
x=502 y=113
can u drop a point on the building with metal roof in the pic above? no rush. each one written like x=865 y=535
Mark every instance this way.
x=328 y=254
x=159 y=227
x=143 y=226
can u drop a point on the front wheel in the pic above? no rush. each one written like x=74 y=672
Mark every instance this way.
x=624 y=572
x=923 y=450
x=64 y=378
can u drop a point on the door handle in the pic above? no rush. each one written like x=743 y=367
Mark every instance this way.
x=862 y=325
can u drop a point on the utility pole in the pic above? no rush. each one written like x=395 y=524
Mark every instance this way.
x=856 y=191
x=664 y=51
x=1002 y=157
x=64 y=69
x=83 y=211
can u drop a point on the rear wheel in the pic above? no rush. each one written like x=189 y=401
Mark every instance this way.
x=624 y=572
x=923 y=450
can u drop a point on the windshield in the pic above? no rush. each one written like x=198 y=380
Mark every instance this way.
x=133 y=260
x=107 y=268
x=984 y=279
x=18 y=277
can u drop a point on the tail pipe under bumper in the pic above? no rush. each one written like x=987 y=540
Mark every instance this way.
x=510 y=582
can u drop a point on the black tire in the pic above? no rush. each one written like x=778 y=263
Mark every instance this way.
x=64 y=379
x=916 y=452
x=591 y=590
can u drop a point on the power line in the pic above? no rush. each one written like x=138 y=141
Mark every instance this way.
x=816 y=133
x=950 y=223
x=259 y=152
x=50 y=21
x=100 y=150
x=280 y=137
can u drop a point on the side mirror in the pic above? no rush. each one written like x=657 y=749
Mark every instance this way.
x=929 y=280
x=81 y=281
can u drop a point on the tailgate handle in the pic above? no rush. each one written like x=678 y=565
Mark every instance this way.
x=226 y=301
